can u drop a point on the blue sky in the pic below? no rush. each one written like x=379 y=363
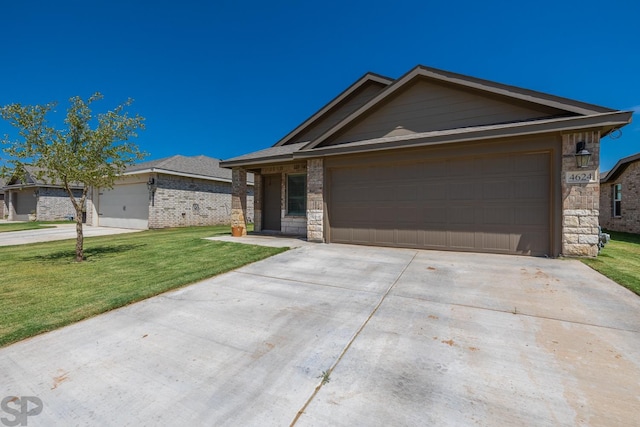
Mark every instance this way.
x=223 y=78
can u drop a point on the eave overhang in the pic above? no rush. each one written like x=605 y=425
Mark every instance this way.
x=605 y=122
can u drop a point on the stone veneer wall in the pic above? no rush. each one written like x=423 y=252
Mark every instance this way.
x=239 y=199
x=182 y=201
x=315 y=200
x=2 y=204
x=54 y=204
x=257 y=202
x=580 y=202
x=629 y=220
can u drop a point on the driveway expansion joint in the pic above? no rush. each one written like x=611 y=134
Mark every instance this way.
x=285 y=279
x=328 y=372
x=534 y=316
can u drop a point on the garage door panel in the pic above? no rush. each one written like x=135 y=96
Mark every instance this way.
x=361 y=235
x=497 y=189
x=498 y=203
x=433 y=169
x=462 y=190
x=497 y=242
x=497 y=215
x=433 y=191
x=434 y=215
x=385 y=216
x=529 y=164
x=435 y=239
x=462 y=240
x=407 y=237
x=462 y=168
x=527 y=188
x=495 y=165
x=461 y=214
x=384 y=236
x=531 y=215
x=125 y=206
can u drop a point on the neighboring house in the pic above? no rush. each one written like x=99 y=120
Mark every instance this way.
x=175 y=191
x=435 y=160
x=620 y=196
x=30 y=195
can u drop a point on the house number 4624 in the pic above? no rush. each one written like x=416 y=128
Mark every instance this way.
x=581 y=177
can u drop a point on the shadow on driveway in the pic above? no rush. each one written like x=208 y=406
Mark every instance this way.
x=404 y=337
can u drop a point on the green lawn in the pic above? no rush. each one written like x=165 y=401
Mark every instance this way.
x=620 y=260
x=42 y=288
x=19 y=226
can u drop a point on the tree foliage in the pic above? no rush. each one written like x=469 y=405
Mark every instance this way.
x=88 y=150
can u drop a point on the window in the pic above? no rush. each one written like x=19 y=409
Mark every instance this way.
x=297 y=195
x=617 y=199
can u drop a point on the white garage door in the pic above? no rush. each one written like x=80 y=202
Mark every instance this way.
x=125 y=206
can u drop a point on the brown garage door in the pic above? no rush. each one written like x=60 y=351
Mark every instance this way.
x=497 y=203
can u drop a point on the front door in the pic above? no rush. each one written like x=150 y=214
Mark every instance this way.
x=271 y=202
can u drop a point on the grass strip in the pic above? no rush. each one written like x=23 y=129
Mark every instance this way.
x=42 y=288
x=619 y=260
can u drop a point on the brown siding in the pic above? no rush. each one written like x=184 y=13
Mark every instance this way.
x=428 y=106
x=491 y=197
x=629 y=221
x=346 y=107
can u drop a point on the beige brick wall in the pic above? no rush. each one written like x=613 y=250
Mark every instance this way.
x=580 y=202
x=54 y=204
x=629 y=221
x=181 y=201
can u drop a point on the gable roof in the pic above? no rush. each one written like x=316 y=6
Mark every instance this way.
x=203 y=167
x=571 y=115
x=335 y=103
x=620 y=167
x=31 y=180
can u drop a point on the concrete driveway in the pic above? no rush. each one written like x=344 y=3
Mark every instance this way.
x=406 y=338
x=60 y=232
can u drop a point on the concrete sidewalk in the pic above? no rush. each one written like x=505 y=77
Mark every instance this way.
x=406 y=337
x=60 y=232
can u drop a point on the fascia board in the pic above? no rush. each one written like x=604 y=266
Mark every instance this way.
x=465 y=81
x=530 y=128
x=335 y=101
x=170 y=172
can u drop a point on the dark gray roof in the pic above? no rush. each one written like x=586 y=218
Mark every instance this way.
x=31 y=180
x=269 y=154
x=183 y=165
x=579 y=115
x=620 y=167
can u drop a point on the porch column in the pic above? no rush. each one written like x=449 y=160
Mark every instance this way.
x=580 y=200
x=315 y=200
x=239 y=199
x=257 y=202
x=9 y=197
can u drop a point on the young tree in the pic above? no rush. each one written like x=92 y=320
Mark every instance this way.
x=88 y=150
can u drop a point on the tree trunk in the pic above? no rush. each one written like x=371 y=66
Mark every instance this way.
x=79 y=235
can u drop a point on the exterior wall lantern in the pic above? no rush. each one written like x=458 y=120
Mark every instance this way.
x=582 y=155
x=152 y=185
